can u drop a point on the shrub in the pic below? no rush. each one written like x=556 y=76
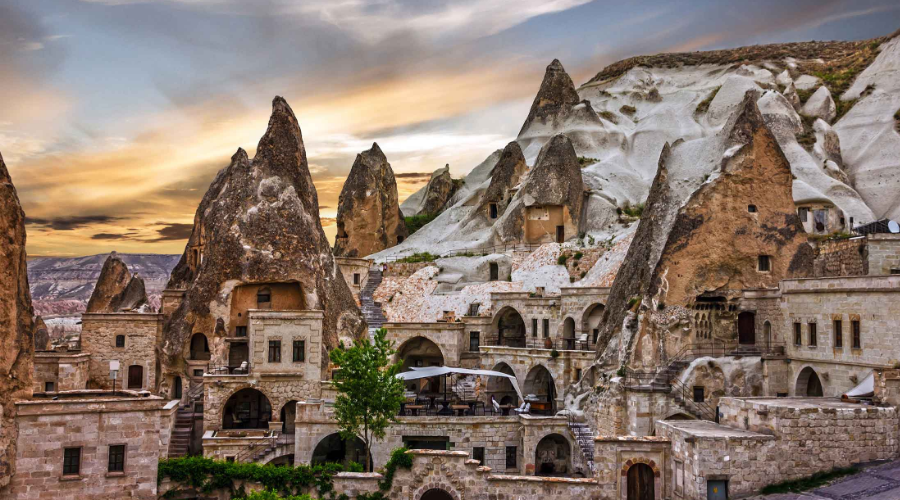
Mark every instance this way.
x=633 y=211
x=632 y=302
x=562 y=260
x=416 y=222
x=628 y=110
x=703 y=107
x=578 y=255
x=419 y=257
x=271 y=495
x=621 y=371
x=584 y=161
x=609 y=116
x=897 y=117
x=554 y=353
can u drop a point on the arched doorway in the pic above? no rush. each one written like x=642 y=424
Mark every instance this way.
x=199 y=347
x=640 y=482
x=510 y=328
x=419 y=352
x=176 y=388
x=569 y=333
x=591 y=322
x=247 y=409
x=334 y=449
x=436 y=494
x=809 y=384
x=553 y=456
x=747 y=328
x=288 y=417
x=540 y=389
x=501 y=388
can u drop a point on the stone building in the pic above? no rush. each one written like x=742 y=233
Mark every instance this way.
x=61 y=370
x=90 y=444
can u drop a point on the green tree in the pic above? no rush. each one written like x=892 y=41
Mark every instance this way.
x=369 y=393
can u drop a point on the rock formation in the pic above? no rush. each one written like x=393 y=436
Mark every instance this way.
x=41 y=335
x=258 y=223
x=117 y=290
x=16 y=321
x=820 y=105
x=506 y=175
x=706 y=246
x=436 y=196
x=555 y=180
x=369 y=218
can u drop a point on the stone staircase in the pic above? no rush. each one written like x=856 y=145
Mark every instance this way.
x=584 y=437
x=181 y=432
x=371 y=309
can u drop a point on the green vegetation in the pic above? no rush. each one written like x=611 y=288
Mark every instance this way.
x=554 y=353
x=584 y=161
x=578 y=256
x=621 y=371
x=807 y=483
x=807 y=138
x=562 y=260
x=419 y=257
x=633 y=210
x=804 y=95
x=609 y=116
x=627 y=110
x=280 y=482
x=416 y=222
x=632 y=302
x=703 y=107
x=368 y=392
x=837 y=235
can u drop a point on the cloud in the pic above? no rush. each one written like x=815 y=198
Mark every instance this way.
x=70 y=223
x=111 y=236
x=328 y=221
x=174 y=231
x=413 y=175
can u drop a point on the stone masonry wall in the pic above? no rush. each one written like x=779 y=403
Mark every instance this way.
x=841 y=258
x=884 y=254
x=98 y=338
x=287 y=327
x=404 y=269
x=278 y=389
x=67 y=371
x=451 y=338
x=563 y=368
x=47 y=427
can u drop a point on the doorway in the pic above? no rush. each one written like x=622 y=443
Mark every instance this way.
x=135 y=377
x=747 y=328
x=560 y=234
x=640 y=483
x=717 y=489
x=177 y=384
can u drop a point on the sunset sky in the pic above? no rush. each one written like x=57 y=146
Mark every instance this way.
x=115 y=115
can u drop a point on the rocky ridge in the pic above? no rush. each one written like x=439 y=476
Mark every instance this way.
x=117 y=290
x=369 y=217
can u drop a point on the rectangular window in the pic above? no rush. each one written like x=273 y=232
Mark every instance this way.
x=798 y=334
x=838 y=327
x=274 y=351
x=764 y=264
x=116 y=458
x=299 y=351
x=198 y=372
x=546 y=327
x=578 y=374
x=474 y=341
x=49 y=386
x=240 y=331
x=511 y=457
x=803 y=213
x=473 y=308
x=355 y=278
x=478 y=454
x=534 y=323
x=71 y=461
x=230 y=459
x=120 y=341
x=698 y=394
x=813 y=334
x=857 y=337
x=495 y=271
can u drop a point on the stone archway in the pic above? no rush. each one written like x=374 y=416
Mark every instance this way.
x=419 y=352
x=434 y=488
x=335 y=449
x=501 y=388
x=288 y=416
x=809 y=384
x=199 y=348
x=568 y=334
x=553 y=456
x=509 y=328
x=436 y=494
x=590 y=322
x=539 y=382
x=247 y=408
x=641 y=480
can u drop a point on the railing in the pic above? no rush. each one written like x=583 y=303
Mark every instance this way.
x=253 y=448
x=539 y=343
x=476 y=252
x=700 y=409
x=195 y=393
x=585 y=442
x=712 y=348
x=224 y=369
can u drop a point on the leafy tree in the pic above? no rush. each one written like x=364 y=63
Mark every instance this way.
x=369 y=393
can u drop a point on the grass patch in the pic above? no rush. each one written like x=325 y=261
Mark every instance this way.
x=419 y=257
x=631 y=210
x=628 y=110
x=703 y=107
x=842 y=107
x=609 y=116
x=804 y=95
x=416 y=222
x=584 y=161
x=807 y=483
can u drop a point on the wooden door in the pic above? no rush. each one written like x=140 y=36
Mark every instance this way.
x=640 y=483
x=747 y=328
x=177 y=388
x=560 y=234
x=135 y=377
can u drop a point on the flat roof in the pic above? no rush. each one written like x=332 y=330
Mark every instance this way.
x=804 y=403
x=707 y=429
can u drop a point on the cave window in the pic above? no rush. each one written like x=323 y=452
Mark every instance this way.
x=399 y=239
x=698 y=394
x=264 y=298
x=495 y=271
x=493 y=209
x=751 y=209
x=120 y=341
x=356 y=278
x=764 y=263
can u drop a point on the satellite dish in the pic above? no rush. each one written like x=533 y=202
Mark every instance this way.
x=893 y=227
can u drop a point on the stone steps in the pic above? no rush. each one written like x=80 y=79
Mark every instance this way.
x=372 y=310
x=179 y=442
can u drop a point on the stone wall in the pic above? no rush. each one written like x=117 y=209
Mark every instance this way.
x=350 y=266
x=451 y=338
x=279 y=389
x=522 y=361
x=171 y=299
x=91 y=420
x=404 y=269
x=67 y=371
x=841 y=258
x=98 y=338
x=615 y=455
x=287 y=327
x=874 y=301
x=884 y=254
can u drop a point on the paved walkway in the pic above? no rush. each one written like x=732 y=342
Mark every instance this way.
x=878 y=482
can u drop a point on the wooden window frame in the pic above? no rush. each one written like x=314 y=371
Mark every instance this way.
x=77 y=472
x=299 y=347
x=274 y=351
x=109 y=457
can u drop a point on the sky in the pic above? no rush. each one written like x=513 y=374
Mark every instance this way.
x=115 y=115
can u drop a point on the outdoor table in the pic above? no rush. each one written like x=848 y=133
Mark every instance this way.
x=504 y=409
x=415 y=409
x=460 y=409
x=445 y=408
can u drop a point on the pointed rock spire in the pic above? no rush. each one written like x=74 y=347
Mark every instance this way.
x=557 y=95
x=369 y=218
